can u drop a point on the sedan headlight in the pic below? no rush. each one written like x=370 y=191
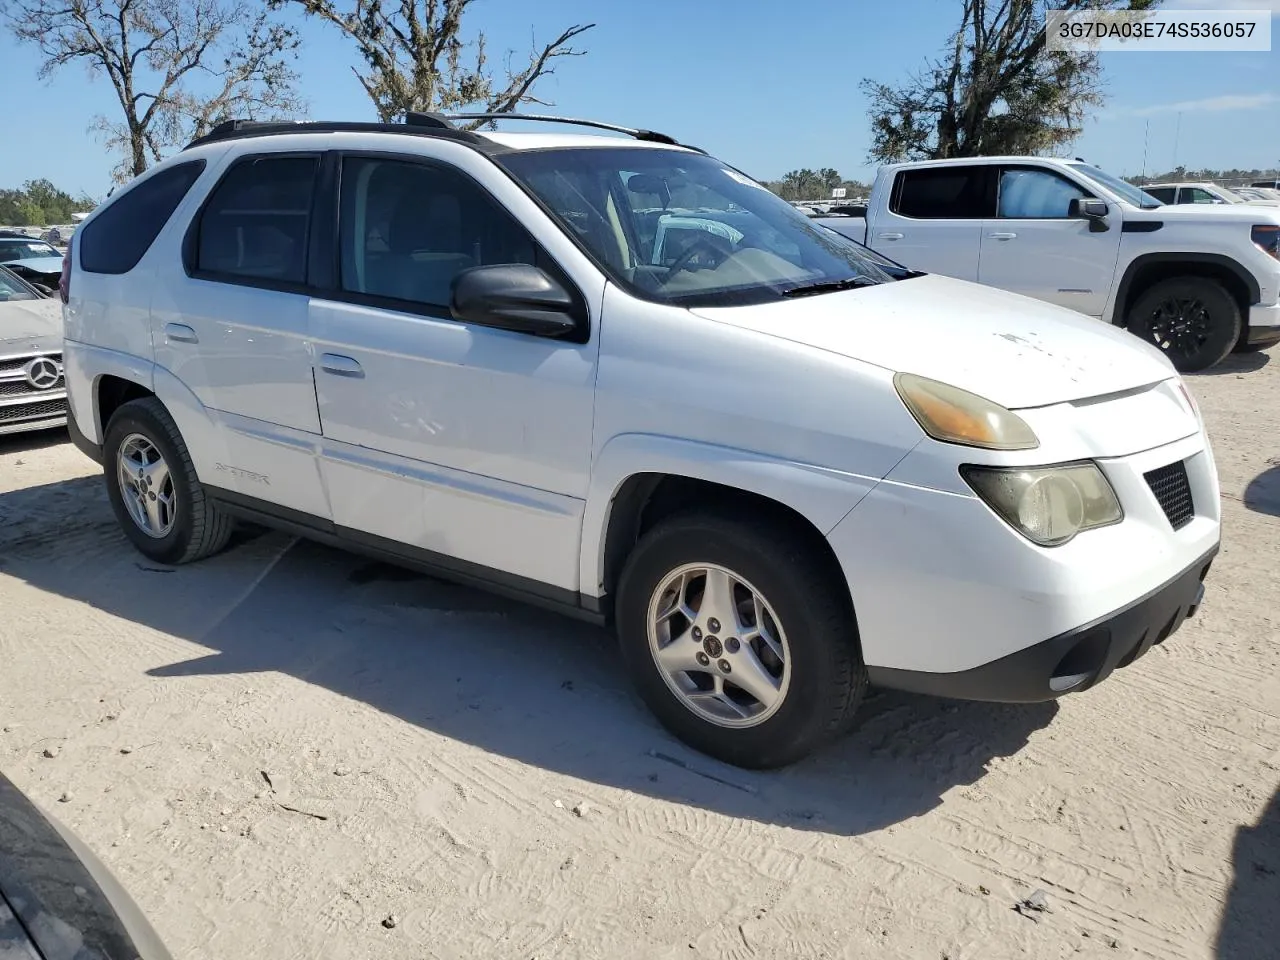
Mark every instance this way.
x=953 y=415
x=1047 y=505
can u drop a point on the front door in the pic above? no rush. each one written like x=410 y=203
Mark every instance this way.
x=1034 y=248
x=467 y=443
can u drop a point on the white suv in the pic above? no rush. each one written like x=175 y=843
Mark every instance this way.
x=460 y=352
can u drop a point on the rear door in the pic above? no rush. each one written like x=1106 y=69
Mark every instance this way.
x=933 y=220
x=1034 y=248
x=230 y=323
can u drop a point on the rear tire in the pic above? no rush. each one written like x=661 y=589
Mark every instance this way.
x=152 y=485
x=776 y=578
x=1194 y=320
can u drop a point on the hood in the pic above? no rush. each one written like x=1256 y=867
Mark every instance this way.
x=30 y=325
x=1008 y=348
x=38 y=264
x=1249 y=213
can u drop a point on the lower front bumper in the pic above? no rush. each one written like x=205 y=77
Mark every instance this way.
x=27 y=426
x=1072 y=661
x=1264 y=326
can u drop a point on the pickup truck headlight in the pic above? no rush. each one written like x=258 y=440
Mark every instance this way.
x=1047 y=505
x=1267 y=237
x=953 y=415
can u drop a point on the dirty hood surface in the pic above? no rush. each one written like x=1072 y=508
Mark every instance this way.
x=30 y=325
x=1011 y=349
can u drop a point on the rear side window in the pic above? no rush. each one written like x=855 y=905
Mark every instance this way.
x=1163 y=194
x=118 y=237
x=255 y=224
x=944 y=193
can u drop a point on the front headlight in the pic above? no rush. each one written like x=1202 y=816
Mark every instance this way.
x=1047 y=505
x=953 y=415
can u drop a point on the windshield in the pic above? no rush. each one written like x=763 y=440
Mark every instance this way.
x=682 y=228
x=18 y=249
x=11 y=288
x=1122 y=188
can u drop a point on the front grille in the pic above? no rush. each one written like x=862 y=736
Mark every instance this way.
x=15 y=364
x=1173 y=493
x=20 y=388
x=14 y=412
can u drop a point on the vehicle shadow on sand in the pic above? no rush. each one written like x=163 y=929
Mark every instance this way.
x=1236 y=363
x=1262 y=495
x=512 y=680
x=1250 y=927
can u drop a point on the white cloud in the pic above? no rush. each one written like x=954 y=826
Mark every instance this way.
x=1221 y=104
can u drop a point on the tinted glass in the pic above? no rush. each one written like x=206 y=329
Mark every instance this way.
x=407 y=229
x=255 y=225
x=118 y=237
x=679 y=227
x=1163 y=194
x=1036 y=195
x=27 y=250
x=944 y=193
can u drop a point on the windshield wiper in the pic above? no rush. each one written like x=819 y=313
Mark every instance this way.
x=829 y=286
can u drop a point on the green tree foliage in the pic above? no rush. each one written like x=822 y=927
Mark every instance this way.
x=996 y=90
x=39 y=203
x=806 y=184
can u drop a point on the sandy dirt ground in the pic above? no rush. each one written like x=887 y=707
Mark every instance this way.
x=277 y=749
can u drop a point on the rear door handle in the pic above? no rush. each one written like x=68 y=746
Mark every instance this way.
x=340 y=366
x=180 y=333
x=1002 y=236
x=888 y=236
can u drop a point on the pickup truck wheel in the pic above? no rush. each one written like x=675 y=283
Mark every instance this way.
x=1194 y=320
x=153 y=488
x=739 y=639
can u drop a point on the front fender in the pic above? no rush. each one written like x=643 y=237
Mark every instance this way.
x=820 y=494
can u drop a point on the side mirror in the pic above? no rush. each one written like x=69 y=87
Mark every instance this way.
x=515 y=296
x=1095 y=211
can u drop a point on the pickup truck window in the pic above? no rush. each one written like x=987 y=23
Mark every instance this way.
x=1163 y=194
x=678 y=227
x=1121 y=188
x=944 y=193
x=1032 y=194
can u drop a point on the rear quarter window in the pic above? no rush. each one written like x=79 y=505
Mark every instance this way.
x=118 y=237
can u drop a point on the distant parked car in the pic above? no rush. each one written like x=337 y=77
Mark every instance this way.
x=57 y=900
x=36 y=261
x=1269 y=184
x=33 y=395
x=1180 y=193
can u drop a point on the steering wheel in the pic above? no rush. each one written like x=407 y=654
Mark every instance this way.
x=701 y=243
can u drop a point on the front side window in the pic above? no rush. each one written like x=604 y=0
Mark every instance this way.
x=1027 y=194
x=255 y=224
x=14 y=249
x=11 y=288
x=678 y=227
x=407 y=229
x=1200 y=195
x=944 y=193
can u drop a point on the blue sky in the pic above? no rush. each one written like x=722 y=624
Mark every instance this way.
x=768 y=86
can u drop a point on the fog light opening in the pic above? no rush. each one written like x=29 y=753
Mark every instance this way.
x=1081 y=664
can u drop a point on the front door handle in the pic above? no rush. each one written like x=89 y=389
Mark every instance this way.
x=340 y=366
x=888 y=236
x=1002 y=236
x=180 y=333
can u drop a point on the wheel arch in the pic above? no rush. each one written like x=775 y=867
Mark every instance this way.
x=1151 y=268
x=638 y=480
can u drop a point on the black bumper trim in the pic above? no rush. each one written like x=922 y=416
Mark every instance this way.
x=1263 y=336
x=86 y=446
x=1072 y=661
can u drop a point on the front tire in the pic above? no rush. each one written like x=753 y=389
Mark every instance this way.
x=740 y=639
x=1194 y=320
x=152 y=485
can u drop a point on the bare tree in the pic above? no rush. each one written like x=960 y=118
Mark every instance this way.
x=414 y=56
x=177 y=66
x=996 y=90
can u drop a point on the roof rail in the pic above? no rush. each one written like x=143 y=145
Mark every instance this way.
x=651 y=136
x=422 y=125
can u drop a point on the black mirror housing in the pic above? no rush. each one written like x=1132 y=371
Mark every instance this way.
x=518 y=297
x=1087 y=208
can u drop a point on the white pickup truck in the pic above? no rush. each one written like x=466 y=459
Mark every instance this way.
x=1198 y=281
